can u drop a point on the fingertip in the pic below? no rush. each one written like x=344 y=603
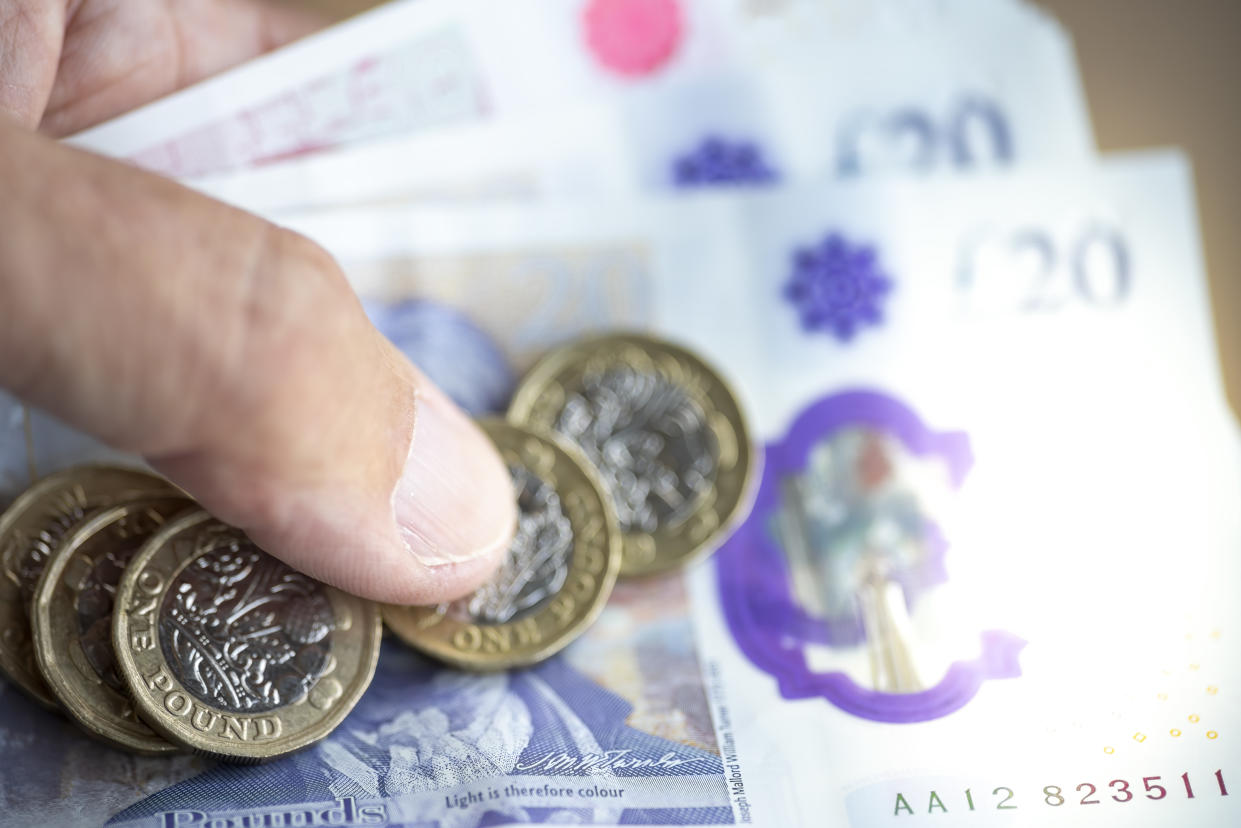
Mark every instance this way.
x=340 y=458
x=454 y=499
x=440 y=534
x=348 y=552
x=446 y=582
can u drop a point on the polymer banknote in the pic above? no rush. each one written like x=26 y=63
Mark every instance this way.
x=33 y=444
x=1030 y=263
x=991 y=562
x=966 y=95
x=615 y=728
x=840 y=87
x=576 y=152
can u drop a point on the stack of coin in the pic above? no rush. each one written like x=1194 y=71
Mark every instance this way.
x=160 y=629
x=630 y=457
x=230 y=652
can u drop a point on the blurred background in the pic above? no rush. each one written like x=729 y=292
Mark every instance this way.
x=1156 y=73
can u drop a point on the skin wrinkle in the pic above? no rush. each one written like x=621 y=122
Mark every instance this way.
x=171 y=322
x=176 y=43
x=71 y=12
x=278 y=336
x=137 y=70
x=397 y=490
x=24 y=34
x=28 y=368
x=240 y=341
x=89 y=70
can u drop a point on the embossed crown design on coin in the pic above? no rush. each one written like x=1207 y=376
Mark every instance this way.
x=244 y=631
x=97 y=595
x=63 y=511
x=664 y=433
x=556 y=575
x=31 y=530
x=231 y=653
x=649 y=440
x=94 y=616
x=72 y=615
x=537 y=563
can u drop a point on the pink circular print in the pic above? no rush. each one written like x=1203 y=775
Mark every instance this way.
x=633 y=37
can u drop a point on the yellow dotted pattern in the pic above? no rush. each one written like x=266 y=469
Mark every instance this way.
x=1192 y=718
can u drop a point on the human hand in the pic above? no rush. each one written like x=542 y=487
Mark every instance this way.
x=230 y=353
x=68 y=64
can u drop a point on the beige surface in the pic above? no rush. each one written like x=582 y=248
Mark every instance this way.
x=1157 y=73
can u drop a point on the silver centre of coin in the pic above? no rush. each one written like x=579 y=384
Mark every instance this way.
x=242 y=631
x=649 y=440
x=538 y=558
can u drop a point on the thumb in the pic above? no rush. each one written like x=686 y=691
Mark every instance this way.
x=234 y=356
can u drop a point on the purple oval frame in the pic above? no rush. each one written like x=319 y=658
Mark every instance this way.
x=754 y=584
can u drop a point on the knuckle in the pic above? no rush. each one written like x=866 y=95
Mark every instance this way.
x=293 y=303
x=290 y=313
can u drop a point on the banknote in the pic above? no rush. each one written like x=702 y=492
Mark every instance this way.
x=823 y=100
x=578 y=151
x=33 y=443
x=991 y=561
x=15 y=472
x=969 y=92
x=411 y=65
x=615 y=730
x=1033 y=265
x=876 y=87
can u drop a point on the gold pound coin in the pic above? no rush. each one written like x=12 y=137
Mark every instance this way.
x=665 y=432
x=231 y=653
x=30 y=531
x=72 y=621
x=558 y=574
